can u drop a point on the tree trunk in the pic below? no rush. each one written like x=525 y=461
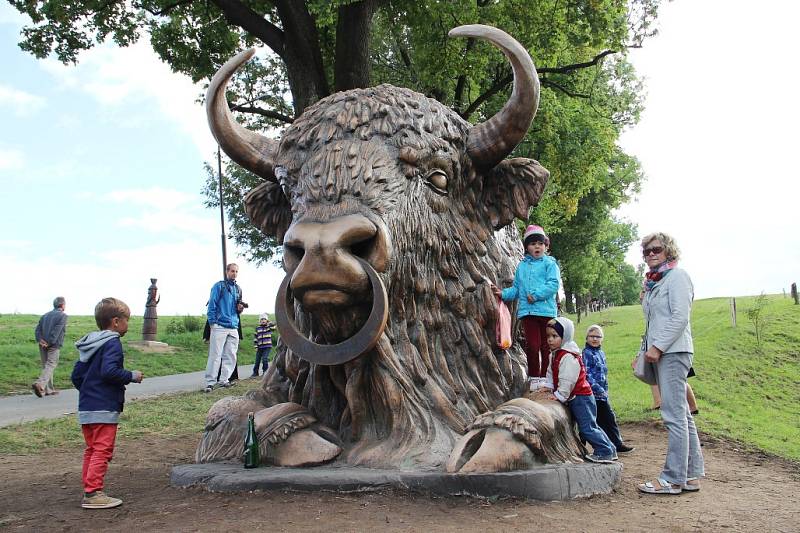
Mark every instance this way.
x=302 y=55
x=351 y=69
x=569 y=301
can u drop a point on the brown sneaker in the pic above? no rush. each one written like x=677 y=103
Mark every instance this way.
x=99 y=500
x=38 y=390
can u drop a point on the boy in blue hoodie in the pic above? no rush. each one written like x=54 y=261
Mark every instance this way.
x=100 y=377
x=594 y=359
x=536 y=283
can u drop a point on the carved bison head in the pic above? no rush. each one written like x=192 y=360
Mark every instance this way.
x=378 y=179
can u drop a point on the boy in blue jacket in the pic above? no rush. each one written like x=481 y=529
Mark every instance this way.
x=536 y=283
x=594 y=359
x=100 y=378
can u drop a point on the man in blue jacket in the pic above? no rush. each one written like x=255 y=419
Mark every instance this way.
x=50 y=336
x=223 y=319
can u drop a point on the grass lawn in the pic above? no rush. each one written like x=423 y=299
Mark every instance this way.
x=19 y=354
x=744 y=392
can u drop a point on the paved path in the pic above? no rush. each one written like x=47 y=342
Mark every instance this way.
x=27 y=407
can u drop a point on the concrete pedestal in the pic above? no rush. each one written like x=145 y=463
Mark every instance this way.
x=547 y=483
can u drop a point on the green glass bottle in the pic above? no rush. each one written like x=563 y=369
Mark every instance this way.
x=252 y=458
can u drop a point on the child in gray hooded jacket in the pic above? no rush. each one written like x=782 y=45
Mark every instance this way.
x=100 y=377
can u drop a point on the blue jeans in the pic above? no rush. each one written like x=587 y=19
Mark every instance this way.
x=684 y=457
x=262 y=357
x=584 y=410
x=607 y=421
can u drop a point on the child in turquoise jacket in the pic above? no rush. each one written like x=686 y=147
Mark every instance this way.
x=535 y=287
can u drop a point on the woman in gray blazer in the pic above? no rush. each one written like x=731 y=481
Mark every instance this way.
x=667 y=305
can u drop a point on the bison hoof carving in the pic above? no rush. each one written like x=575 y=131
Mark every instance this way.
x=288 y=435
x=519 y=435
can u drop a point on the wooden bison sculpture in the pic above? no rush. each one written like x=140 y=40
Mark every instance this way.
x=393 y=212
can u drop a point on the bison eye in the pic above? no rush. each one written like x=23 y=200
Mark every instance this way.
x=437 y=181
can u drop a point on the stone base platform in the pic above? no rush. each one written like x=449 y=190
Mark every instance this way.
x=547 y=483
x=151 y=346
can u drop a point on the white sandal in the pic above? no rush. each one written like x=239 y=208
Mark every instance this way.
x=691 y=487
x=664 y=487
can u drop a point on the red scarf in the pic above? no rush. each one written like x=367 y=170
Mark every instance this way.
x=655 y=275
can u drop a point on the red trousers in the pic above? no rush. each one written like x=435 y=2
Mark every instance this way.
x=536 y=344
x=99 y=451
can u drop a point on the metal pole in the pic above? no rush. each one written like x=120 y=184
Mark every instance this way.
x=221 y=213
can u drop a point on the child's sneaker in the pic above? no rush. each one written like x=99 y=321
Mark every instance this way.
x=625 y=449
x=99 y=500
x=597 y=459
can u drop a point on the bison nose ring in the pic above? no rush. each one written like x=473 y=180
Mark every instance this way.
x=347 y=350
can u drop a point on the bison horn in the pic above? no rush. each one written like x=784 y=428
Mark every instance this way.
x=250 y=150
x=334 y=354
x=491 y=141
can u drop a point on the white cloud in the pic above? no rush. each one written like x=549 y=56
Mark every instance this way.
x=161 y=221
x=158 y=210
x=11 y=159
x=20 y=102
x=135 y=76
x=153 y=197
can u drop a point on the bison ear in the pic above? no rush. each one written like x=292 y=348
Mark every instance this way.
x=512 y=188
x=268 y=209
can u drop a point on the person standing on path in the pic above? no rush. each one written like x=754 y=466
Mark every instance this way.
x=50 y=336
x=100 y=376
x=223 y=319
x=262 y=340
x=667 y=306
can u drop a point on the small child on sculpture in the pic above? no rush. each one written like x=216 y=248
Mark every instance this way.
x=566 y=378
x=594 y=359
x=100 y=377
x=262 y=340
x=536 y=283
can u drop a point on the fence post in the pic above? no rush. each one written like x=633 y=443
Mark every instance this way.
x=794 y=293
x=733 y=312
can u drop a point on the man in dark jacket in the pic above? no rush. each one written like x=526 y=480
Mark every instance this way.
x=50 y=336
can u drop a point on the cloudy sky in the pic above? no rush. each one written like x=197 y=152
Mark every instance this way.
x=101 y=166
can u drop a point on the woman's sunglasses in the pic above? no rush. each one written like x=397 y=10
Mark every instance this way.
x=655 y=250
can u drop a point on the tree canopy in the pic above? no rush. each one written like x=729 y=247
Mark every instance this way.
x=317 y=47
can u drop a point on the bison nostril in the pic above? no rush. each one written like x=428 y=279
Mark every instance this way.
x=292 y=255
x=363 y=249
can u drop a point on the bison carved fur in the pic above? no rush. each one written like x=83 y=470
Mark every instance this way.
x=387 y=180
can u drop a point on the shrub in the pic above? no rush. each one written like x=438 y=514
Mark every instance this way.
x=184 y=324
x=192 y=323
x=176 y=326
x=756 y=316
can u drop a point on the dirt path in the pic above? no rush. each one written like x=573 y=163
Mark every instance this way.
x=743 y=492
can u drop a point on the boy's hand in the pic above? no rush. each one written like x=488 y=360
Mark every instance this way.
x=137 y=376
x=496 y=290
